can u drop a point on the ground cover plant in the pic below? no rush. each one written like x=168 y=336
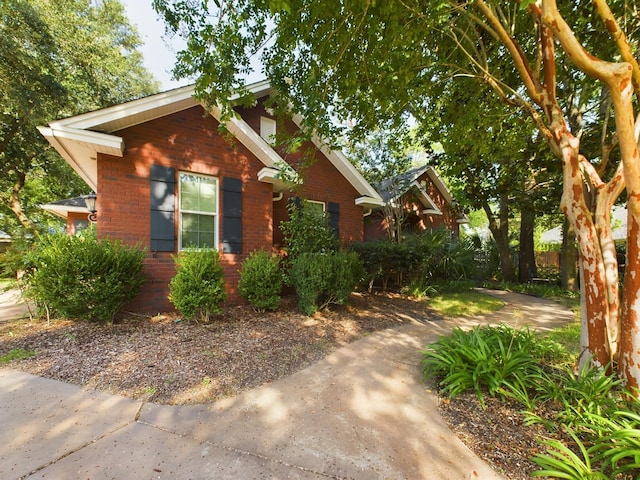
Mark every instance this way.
x=590 y=425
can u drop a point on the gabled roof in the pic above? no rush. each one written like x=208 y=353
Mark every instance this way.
x=392 y=188
x=68 y=205
x=79 y=139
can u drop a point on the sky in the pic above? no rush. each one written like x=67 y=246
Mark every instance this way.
x=158 y=51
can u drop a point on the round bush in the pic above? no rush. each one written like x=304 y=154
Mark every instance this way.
x=261 y=280
x=197 y=290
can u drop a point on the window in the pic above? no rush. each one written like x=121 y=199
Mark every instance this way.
x=198 y=211
x=316 y=206
x=268 y=130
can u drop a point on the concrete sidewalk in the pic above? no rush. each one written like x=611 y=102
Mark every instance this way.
x=12 y=305
x=360 y=413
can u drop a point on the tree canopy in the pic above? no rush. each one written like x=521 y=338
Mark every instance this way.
x=57 y=58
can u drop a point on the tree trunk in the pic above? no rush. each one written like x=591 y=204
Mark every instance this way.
x=568 y=258
x=500 y=231
x=14 y=202
x=527 y=268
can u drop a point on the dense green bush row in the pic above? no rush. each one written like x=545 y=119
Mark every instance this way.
x=600 y=419
x=323 y=279
x=418 y=260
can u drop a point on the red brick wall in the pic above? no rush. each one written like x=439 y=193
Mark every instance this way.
x=322 y=182
x=187 y=141
x=71 y=218
x=376 y=226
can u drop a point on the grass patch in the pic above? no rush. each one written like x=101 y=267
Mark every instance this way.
x=16 y=354
x=568 y=336
x=465 y=304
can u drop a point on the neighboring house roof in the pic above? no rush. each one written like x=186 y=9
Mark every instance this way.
x=80 y=138
x=618 y=224
x=63 y=207
x=4 y=237
x=394 y=187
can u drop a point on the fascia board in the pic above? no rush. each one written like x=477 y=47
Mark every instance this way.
x=89 y=177
x=62 y=210
x=432 y=208
x=178 y=97
x=100 y=142
x=369 y=201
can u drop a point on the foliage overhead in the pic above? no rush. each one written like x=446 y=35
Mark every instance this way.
x=57 y=58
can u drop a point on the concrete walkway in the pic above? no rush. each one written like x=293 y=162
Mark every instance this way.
x=11 y=305
x=361 y=413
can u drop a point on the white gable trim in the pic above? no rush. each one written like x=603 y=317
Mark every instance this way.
x=427 y=201
x=343 y=165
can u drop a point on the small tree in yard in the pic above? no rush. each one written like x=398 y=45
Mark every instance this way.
x=197 y=290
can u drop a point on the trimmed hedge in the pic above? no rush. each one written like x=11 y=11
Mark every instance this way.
x=261 y=280
x=323 y=279
x=197 y=290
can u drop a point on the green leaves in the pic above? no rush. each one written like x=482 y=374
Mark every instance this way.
x=197 y=290
x=57 y=58
x=79 y=277
x=261 y=280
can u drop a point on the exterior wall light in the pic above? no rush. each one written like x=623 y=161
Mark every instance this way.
x=90 y=202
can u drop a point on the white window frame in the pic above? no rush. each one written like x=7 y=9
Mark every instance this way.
x=268 y=129
x=215 y=214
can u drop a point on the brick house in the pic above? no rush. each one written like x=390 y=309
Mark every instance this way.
x=426 y=200
x=166 y=178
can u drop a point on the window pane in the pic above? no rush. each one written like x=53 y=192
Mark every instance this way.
x=198 y=230
x=198 y=195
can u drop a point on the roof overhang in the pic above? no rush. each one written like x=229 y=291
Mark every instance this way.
x=63 y=210
x=274 y=177
x=80 y=138
x=80 y=148
x=369 y=202
x=426 y=200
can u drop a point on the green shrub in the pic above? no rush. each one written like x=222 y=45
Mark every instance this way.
x=82 y=277
x=261 y=280
x=419 y=260
x=197 y=290
x=323 y=279
x=307 y=231
x=484 y=358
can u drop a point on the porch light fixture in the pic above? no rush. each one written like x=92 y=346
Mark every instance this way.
x=90 y=202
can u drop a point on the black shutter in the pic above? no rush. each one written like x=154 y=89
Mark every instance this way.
x=334 y=217
x=163 y=206
x=232 y=215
